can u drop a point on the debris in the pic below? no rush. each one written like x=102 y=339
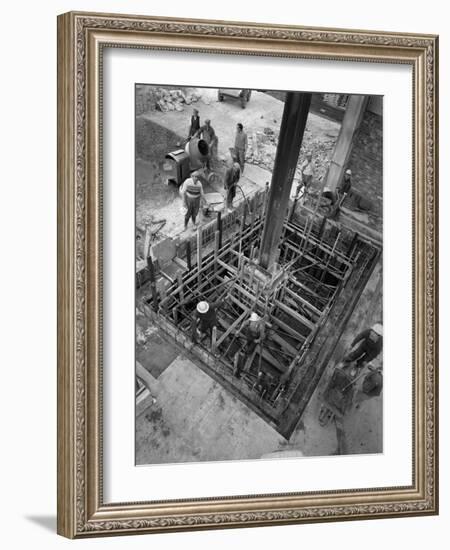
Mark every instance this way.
x=149 y=98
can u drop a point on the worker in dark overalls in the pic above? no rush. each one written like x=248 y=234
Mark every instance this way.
x=366 y=346
x=204 y=318
x=232 y=176
x=195 y=124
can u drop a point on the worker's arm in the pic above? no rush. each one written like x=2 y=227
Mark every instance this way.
x=361 y=336
x=228 y=178
x=182 y=192
x=202 y=195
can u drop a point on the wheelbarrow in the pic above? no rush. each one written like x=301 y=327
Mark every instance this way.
x=214 y=202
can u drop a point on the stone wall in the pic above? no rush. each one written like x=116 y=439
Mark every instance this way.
x=366 y=161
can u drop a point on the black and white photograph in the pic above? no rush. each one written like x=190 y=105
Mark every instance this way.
x=259 y=287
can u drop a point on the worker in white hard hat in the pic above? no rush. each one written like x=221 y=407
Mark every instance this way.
x=252 y=329
x=366 y=346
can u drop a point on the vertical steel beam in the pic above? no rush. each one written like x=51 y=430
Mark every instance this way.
x=352 y=119
x=295 y=114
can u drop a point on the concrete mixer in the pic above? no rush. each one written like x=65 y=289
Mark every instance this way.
x=182 y=162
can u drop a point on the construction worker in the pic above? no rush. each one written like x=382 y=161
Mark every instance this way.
x=306 y=173
x=207 y=133
x=366 y=346
x=195 y=123
x=307 y=170
x=232 y=177
x=205 y=318
x=192 y=194
x=240 y=145
x=344 y=188
x=252 y=329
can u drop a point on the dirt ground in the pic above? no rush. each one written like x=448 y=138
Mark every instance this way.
x=158 y=133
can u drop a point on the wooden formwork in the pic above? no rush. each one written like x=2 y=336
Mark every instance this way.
x=319 y=273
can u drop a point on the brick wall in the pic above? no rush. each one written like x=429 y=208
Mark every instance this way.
x=366 y=161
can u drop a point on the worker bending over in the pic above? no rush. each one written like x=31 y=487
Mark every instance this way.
x=366 y=346
x=195 y=124
x=205 y=318
x=207 y=133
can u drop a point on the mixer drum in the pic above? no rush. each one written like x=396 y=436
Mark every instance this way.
x=198 y=151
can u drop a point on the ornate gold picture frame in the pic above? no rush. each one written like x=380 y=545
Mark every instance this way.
x=82 y=39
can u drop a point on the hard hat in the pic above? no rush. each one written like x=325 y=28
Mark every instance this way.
x=202 y=307
x=378 y=328
x=254 y=317
x=348 y=172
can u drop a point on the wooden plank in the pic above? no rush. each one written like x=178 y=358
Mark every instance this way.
x=180 y=263
x=199 y=254
x=308 y=290
x=289 y=330
x=219 y=227
x=180 y=286
x=279 y=340
x=267 y=356
x=232 y=326
x=304 y=302
x=188 y=255
x=151 y=269
x=214 y=339
x=289 y=311
x=318 y=262
x=297 y=230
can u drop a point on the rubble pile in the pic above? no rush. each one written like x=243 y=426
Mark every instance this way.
x=262 y=146
x=151 y=98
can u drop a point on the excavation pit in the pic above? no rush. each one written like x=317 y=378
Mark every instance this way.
x=305 y=302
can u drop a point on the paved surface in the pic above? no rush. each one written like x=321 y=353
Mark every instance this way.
x=191 y=418
x=194 y=419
